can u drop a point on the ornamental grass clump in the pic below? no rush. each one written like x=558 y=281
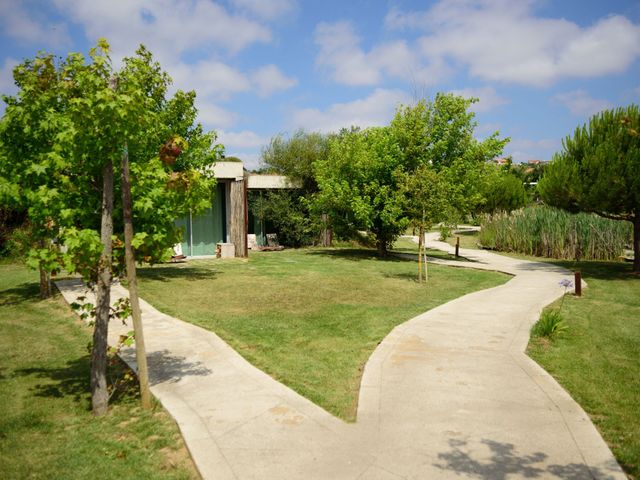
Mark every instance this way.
x=551 y=322
x=544 y=231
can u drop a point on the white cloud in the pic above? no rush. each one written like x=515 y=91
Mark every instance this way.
x=503 y=40
x=340 y=52
x=375 y=110
x=27 y=26
x=581 y=104
x=488 y=98
x=214 y=116
x=167 y=27
x=267 y=9
x=270 y=79
x=251 y=160
x=241 y=140
x=523 y=150
x=210 y=79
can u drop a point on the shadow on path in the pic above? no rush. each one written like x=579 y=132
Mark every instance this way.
x=505 y=461
x=164 y=367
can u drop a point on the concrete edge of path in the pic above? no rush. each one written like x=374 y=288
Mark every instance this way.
x=208 y=457
x=586 y=436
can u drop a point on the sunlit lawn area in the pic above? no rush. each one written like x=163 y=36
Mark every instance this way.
x=598 y=358
x=406 y=245
x=310 y=317
x=46 y=428
x=468 y=239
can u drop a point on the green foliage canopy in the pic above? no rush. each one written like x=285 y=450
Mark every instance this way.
x=366 y=181
x=598 y=170
x=69 y=117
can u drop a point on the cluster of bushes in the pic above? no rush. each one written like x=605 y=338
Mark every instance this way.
x=549 y=232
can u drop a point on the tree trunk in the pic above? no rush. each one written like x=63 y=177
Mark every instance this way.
x=45 y=283
x=326 y=233
x=420 y=242
x=636 y=243
x=141 y=355
x=99 y=391
x=45 y=277
x=381 y=246
x=237 y=223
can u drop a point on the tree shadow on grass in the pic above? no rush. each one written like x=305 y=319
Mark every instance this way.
x=24 y=292
x=354 y=254
x=600 y=270
x=72 y=379
x=505 y=462
x=168 y=273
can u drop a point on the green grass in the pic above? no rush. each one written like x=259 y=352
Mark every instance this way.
x=46 y=427
x=468 y=239
x=406 y=245
x=597 y=358
x=311 y=317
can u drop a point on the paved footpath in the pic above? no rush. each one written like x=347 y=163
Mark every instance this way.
x=448 y=394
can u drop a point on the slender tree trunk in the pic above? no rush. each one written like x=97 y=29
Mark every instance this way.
x=45 y=283
x=381 y=246
x=45 y=277
x=424 y=254
x=141 y=355
x=99 y=391
x=326 y=233
x=636 y=243
x=420 y=243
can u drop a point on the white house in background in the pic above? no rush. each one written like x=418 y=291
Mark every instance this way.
x=228 y=221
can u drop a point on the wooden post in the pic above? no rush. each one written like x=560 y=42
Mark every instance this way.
x=237 y=230
x=136 y=315
x=578 y=284
x=457 y=247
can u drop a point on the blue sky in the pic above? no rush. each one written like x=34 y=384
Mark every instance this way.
x=263 y=67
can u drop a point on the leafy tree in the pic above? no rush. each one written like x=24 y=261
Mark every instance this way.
x=427 y=202
x=292 y=212
x=501 y=190
x=440 y=134
x=62 y=139
x=359 y=184
x=598 y=170
x=295 y=157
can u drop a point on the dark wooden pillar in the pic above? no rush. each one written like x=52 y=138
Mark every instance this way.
x=237 y=223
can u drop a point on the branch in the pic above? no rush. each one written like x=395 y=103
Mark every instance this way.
x=628 y=217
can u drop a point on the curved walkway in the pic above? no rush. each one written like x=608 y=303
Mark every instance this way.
x=448 y=394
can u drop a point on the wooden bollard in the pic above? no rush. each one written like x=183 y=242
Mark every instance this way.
x=578 y=284
x=457 y=247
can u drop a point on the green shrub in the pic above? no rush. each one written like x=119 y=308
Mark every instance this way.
x=544 y=231
x=550 y=324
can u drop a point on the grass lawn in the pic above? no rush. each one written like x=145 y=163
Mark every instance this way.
x=406 y=245
x=46 y=427
x=598 y=358
x=468 y=239
x=310 y=317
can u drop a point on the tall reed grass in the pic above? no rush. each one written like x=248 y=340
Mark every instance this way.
x=544 y=231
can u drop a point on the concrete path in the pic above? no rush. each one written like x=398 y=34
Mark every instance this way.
x=448 y=394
